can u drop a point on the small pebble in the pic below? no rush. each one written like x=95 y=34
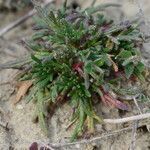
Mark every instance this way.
x=19 y=107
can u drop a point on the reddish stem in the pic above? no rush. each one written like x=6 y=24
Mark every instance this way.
x=109 y=100
x=78 y=68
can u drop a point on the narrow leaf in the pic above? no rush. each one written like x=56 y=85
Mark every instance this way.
x=129 y=70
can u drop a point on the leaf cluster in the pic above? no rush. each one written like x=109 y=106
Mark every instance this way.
x=80 y=56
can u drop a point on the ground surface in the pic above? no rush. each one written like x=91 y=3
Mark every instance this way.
x=23 y=131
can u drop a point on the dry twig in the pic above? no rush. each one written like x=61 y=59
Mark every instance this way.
x=16 y=23
x=5 y=83
x=127 y=119
x=137 y=105
x=20 y=20
x=58 y=145
x=47 y=147
x=132 y=118
x=135 y=126
x=133 y=137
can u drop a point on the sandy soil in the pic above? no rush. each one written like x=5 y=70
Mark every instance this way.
x=23 y=131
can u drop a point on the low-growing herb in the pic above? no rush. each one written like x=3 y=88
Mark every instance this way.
x=79 y=56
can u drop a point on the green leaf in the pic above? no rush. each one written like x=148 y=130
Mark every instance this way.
x=74 y=99
x=26 y=77
x=139 y=74
x=124 y=54
x=140 y=66
x=54 y=93
x=87 y=107
x=31 y=95
x=86 y=79
x=131 y=59
x=38 y=35
x=40 y=110
x=101 y=8
x=65 y=4
x=129 y=70
x=87 y=93
x=51 y=77
x=106 y=60
x=80 y=124
x=99 y=62
x=35 y=59
x=43 y=83
x=129 y=37
x=88 y=67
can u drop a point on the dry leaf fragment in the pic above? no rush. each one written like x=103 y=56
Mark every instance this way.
x=22 y=90
x=115 y=67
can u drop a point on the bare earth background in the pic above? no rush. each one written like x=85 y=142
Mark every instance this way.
x=23 y=131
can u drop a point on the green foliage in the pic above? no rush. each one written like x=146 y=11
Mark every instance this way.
x=80 y=57
x=129 y=69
